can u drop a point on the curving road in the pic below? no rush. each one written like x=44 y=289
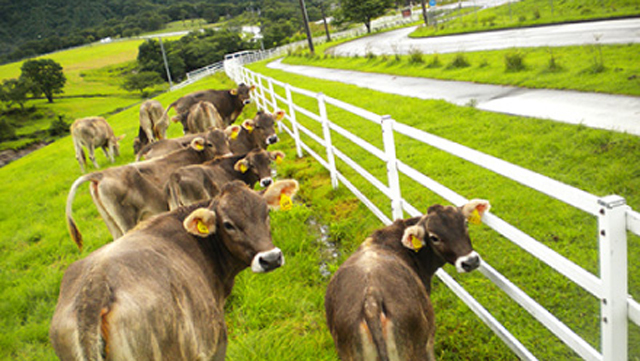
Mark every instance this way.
x=604 y=32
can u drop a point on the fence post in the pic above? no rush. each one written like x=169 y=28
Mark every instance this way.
x=392 y=166
x=294 y=122
x=613 y=273
x=274 y=102
x=327 y=140
x=262 y=102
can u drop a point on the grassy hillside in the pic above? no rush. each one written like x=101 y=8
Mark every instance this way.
x=529 y=13
x=92 y=88
x=599 y=162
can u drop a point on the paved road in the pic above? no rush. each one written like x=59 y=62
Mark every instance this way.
x=603 y=32
x=611 y=112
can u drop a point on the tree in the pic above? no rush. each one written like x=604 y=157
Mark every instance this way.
x=46 y=76
x=364 y=11
x=14 y=91
x=141 y=81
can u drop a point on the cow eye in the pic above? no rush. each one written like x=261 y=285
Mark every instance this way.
x=228 y=226
x=434 y=238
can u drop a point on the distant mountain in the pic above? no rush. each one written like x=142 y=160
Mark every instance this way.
x=29 y=27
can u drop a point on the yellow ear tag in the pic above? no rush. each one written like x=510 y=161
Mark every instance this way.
x=249 y=128
x=417 y=244
x=285 y=202
x=234 y=134
x=278 y=159
x=243 y=168
x=202 y=228
x=199 y=146
x=475 y=217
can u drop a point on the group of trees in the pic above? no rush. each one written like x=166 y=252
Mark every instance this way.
x=31 y=27
x=38 y=77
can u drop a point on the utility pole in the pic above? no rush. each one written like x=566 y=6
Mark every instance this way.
x=305 y=18
x=166 y=64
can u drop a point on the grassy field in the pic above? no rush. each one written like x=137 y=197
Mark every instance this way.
x=530 y=13
x=600 y=68
x=280 y=316
x=92 y=89
x=35 y=247
x=599 y=162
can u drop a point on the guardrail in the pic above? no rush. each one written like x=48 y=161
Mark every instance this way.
x=614 y=216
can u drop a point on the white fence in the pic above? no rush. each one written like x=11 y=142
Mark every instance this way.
x=614 y=216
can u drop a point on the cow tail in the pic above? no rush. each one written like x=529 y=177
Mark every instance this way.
x=94 y=307
x=166 y=112
x=71 y=224
x=373 y=314
x=172 y=190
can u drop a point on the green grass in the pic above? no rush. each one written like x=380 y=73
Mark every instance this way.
x=530 y=13
x=573 y=67
x=599 y=162
x=94 y=74
x=35 y=248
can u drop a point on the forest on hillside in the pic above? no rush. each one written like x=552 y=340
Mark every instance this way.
x=33 y=27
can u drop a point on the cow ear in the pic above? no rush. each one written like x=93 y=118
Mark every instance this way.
x=198 y=143
x=249 y=124
x=252 y=88
x=241 y=166
x=232 y=131
x=233 y=91
x=280 y=193
x=120 y=137
x=413 y=237
x=279 y=114
x=201 y=222
x=276 y=156
x=475 y=209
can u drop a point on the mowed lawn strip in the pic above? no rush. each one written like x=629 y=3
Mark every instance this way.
x=599 y=162
x=610 y=69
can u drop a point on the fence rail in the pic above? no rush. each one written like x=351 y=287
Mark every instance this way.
x=615 y=218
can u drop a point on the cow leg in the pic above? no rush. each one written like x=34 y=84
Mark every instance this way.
x=108 y=152
x=80 y=156
x=92 y=155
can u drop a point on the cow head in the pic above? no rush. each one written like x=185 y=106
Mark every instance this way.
x=203 y=146
x=258 y=164
x=115 y=141
x=240 y=219
x=262 y=127
x=219 y=141
x=243 y=92
x=444 y=230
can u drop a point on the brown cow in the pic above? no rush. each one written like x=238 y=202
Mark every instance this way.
x=195 y=183
x=159 y=292
x=377 y=304
x=153 y=124
x=165 y=146
x=258 y=132
x=130 y=193
x=229 y=103
x=202 y=117
x=92 y=133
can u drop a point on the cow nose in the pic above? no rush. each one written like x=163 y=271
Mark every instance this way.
x=267 y=261
x=265 y=182
x=468 y=263
x=272 y=139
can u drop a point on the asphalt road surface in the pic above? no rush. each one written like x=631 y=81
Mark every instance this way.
x=603 y=111
x=603 y=32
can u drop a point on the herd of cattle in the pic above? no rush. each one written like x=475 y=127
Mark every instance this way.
x=186 y=220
